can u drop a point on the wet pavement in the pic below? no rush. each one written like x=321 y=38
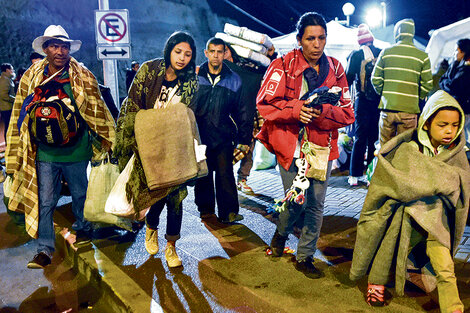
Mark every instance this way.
x=224 y=266
x=58 y=288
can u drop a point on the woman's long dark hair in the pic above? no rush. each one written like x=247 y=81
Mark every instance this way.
x=189 y=70
x=464 y=46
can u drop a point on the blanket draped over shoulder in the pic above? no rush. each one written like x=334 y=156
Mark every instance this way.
x=143 y=94
x=20 y=153
x=408 y=185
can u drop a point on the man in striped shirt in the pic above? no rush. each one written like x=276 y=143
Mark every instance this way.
x=402 y=76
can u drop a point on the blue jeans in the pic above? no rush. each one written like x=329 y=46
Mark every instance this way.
x=49 y=176
x=309 y=215
x=174 y=217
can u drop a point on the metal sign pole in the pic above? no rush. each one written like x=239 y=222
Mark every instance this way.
x=110 y=67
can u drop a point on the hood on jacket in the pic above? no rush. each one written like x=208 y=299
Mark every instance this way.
x=437 y=101
x=405 y=30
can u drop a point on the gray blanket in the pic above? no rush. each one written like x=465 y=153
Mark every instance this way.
x=408 y=185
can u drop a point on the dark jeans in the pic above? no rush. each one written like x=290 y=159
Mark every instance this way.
x=6 y=115
x=219 y=161
x=49 y=184
x=174 y=217
x=367 y=132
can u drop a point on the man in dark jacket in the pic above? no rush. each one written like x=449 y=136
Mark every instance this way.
x=223 y=123
x=366 y=104
x=455 y=80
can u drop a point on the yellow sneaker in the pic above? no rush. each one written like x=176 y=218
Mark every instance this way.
x=151 y=240
x=171 y=257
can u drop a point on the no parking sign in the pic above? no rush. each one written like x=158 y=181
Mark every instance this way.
x=112 y=34
x=112 y=27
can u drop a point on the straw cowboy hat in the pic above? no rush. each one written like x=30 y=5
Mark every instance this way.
x=55 y=32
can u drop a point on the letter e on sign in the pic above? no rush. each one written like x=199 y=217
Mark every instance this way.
x=112 y=27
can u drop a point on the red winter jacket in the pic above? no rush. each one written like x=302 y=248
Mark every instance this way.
x=278 y=102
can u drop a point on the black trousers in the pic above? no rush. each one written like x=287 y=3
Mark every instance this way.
x=219 y=161
x=6 y=115
x=367 y=132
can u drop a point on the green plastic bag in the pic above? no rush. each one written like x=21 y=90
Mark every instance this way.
x=263 y=159
x=103 y=175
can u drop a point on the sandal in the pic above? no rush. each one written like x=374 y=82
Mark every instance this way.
x=375 y=295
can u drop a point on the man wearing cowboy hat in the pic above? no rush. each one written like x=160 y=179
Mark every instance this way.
x=36 y=168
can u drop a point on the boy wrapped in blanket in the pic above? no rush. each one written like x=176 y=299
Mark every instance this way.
x=418 y=196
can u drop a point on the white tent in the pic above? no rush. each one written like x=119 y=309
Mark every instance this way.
x=443 y=40
x=340 y=42
x=388 y=34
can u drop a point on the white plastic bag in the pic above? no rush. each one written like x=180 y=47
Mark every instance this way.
x=117 y=203
x=102 y=179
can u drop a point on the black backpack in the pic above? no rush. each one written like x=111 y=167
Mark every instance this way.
x=367 y=67
x=51 y=120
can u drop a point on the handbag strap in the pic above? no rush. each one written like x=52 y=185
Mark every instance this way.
x=303 y=133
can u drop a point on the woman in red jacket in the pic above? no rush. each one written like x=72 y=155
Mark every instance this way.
x=288 y=78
